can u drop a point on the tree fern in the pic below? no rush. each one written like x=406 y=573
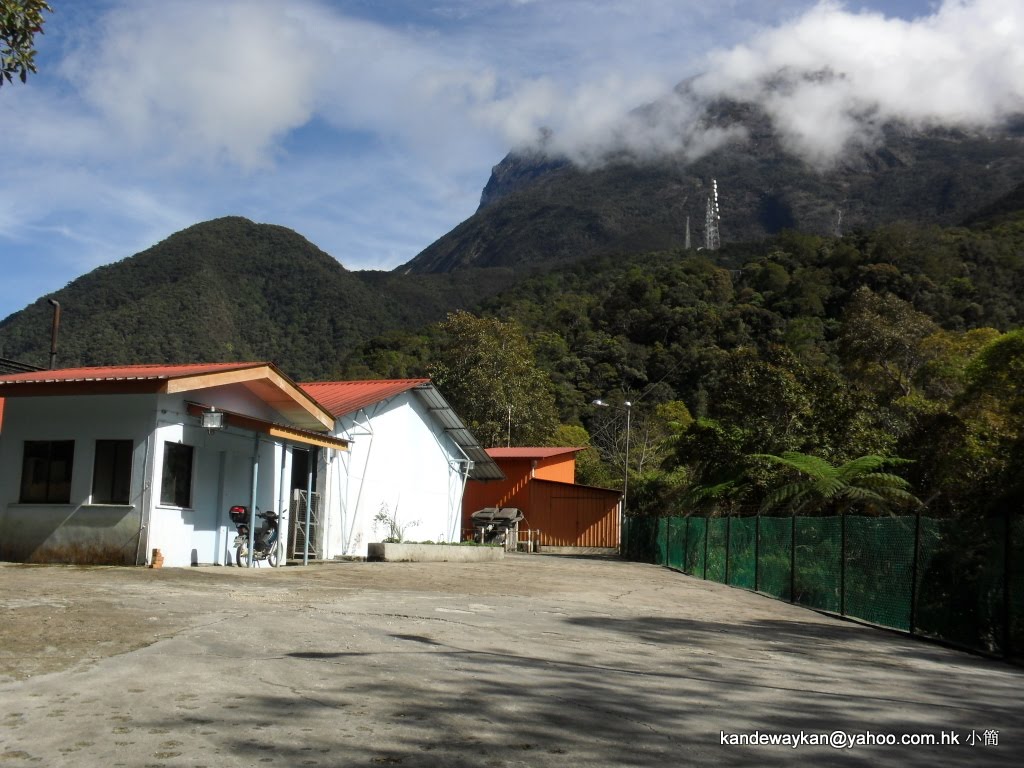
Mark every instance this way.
x=856 y=484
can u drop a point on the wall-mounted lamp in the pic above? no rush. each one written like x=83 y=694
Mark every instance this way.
x=212 y=420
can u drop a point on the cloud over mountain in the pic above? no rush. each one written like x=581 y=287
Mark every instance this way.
x=830 y=78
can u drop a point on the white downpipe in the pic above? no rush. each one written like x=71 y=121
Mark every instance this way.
x=252 y=500
x=144 y=512
x=282 y=524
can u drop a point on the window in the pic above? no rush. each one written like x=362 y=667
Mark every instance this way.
x=112 y=472
x=46 y=471
x=176 y=483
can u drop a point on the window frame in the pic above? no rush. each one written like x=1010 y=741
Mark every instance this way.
x=120 y=473
x=167 y=471
x=51 y=484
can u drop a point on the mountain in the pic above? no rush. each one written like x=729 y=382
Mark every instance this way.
x=542 y=211
x=229 y=289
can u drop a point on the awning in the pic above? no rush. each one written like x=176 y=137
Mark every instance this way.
x=279 y=431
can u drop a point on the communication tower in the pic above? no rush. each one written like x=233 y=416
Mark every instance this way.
x=712 y=240
x=686 y=246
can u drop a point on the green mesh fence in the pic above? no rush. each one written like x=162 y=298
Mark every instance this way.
x=641 y=538
x=774 y=556
x=969 y=589
x=661 y=557
x=1016 y=584
x=816 y=579
x=960 y=578
x=718 y=530
x=879 y=569
x=676 y=541
x=742 y=551
x=693 y=558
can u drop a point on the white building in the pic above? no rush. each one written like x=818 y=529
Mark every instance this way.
x=405 y=471
x=108 y=464
x=105 y=465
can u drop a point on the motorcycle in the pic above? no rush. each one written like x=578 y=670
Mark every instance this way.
x=265 y=542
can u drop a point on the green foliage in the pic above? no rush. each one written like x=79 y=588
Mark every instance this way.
x=857 y=484
x=20 y=22
x=230 y=289
x=488 y=372
x=899 y=341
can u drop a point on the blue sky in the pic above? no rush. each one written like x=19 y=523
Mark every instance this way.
x=370 y=127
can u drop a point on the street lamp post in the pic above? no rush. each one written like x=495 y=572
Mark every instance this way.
x=627 y=406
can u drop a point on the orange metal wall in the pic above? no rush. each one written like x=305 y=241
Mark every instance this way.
x=561 y=469
x=510 y=492
x=567 y=515
x=573 y=515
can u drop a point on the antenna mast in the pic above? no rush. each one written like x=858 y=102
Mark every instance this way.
x=712 y=241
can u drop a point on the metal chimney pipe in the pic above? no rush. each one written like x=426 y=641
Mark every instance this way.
x=53 y=333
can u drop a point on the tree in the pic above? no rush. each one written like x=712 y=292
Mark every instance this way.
x=589 y=468
x=20 y=22
x=882 y=334
x=487 y=370
x=824 y=487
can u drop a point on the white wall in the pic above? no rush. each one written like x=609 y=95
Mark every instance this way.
x=79 y=529
x=84 y=532
x=222 y=477
x=401 y=462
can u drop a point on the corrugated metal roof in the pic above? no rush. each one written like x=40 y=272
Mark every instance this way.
x=122 y=373
x=264 y=380
x=345 y=397
x=541 y=452
x=484 y=467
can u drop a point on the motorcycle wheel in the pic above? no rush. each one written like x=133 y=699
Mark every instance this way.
x=272 y=557
x=241 y=556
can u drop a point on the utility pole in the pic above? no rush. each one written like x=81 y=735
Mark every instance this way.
x=53 y=333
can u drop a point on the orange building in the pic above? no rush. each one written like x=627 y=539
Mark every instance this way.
x=541 y=482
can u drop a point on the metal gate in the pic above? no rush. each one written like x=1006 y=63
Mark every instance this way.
x=299 y=534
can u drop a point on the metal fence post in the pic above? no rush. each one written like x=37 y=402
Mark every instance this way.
x=728 y=533
x=686 y=544
x=842 y=563
x=707 y=521
x=913 y=570
x=1007 y=582
x=757 y=551
x=792 y=558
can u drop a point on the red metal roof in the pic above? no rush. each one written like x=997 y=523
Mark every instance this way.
x=542 y=452
x=122 y=373
x=264 y=380
x=343 y=397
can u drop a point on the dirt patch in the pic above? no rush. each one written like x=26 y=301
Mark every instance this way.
x=58 y=617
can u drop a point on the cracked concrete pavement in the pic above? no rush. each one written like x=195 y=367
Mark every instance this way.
x=533 y=661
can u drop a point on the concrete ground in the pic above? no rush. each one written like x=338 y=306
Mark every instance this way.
x=534 y=661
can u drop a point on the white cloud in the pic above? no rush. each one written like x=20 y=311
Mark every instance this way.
x=829 y=78
x=202 y=79
x=371 y=127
